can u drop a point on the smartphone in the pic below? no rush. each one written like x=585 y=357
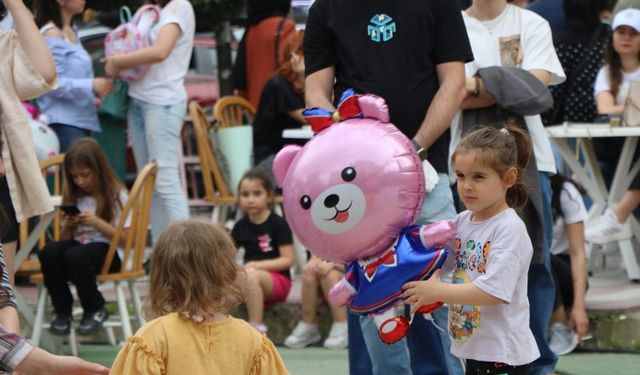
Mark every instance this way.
x=70 y=209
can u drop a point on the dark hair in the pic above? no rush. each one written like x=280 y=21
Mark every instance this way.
x=612 y=59
x=5 y=222
x=293 y=44
x=501 y=149
x=160 y=3
x=194 y=271
x=86 y=152
x=557 y=185
x=45 y=11
x=265 y=179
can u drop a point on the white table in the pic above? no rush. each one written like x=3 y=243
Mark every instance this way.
x=23 y=252
x=304 y=132
x=590 y=176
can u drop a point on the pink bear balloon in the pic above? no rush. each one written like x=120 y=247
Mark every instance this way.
x=351 y=195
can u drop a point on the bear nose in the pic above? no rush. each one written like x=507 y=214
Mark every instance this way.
x=331 y=200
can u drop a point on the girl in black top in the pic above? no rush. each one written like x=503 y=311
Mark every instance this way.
x=268 y=244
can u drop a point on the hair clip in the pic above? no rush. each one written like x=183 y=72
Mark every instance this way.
x=504 y=131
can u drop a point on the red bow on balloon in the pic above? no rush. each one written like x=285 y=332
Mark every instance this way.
x=388 y=259
x=320 y=118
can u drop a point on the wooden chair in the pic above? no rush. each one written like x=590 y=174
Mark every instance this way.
x=233 y=110
x=216 y=190
x=132 y=242
x=51 y=166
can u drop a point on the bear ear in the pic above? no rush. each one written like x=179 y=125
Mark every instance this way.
x=373 y=106
x=282 y=162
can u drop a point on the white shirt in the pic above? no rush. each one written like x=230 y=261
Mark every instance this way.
x=494 y=255
x=86 y=234
x=6 y=24
x=516 y=38
x=602 y=83
x=164 y=82
x=573 y=210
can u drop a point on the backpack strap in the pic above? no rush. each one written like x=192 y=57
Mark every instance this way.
x=125 y=14
x=47 y=27
x=276 y=44
x=147 y=8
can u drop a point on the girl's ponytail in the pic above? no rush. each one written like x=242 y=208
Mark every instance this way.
x=517 y=195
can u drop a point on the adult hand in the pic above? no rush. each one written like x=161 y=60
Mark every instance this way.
x=42 y=362
x=102 y=86
x=579 y=321
x=312 y=265
x=324 y=268
x=420 y=293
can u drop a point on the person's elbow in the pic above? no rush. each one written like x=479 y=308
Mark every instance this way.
x=49 y=73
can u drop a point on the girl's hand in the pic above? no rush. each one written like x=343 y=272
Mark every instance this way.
x=110 y=67
x=420 y=293
x=312 y=265
x=324 y=268
x=102 y=86
x=70 y=219
x=579 y=321
x=253 y=264
x=88 y=218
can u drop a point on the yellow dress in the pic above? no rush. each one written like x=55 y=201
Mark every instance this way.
x=175 y=346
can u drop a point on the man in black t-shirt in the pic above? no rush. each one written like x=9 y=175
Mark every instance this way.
x=412 y=54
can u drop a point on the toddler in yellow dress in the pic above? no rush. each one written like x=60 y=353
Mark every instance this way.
x=194 y=283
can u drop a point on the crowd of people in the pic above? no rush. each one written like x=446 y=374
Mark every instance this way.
x=471 y=83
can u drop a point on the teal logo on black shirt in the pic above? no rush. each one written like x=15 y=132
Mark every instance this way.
x=382 y=28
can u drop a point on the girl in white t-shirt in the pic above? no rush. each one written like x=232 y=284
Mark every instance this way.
x=622 y=66
x=568 y=261
x=489 y=308
x=98 y=196
x=158 y=106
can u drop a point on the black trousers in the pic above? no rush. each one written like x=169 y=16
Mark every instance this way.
x=493 y=368
x=64 y=261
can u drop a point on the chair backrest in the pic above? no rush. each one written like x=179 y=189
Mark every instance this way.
x=133 y=240
x=48 y=167
x=215 y=187
x=233 y=110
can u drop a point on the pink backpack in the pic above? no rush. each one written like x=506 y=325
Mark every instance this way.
x=130 y=37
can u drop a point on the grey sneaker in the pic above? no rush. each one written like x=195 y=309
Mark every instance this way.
x=608 y=229
x=563 y=339
x=91 y=322
x=303 y=335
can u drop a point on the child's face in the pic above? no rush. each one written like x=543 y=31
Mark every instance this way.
x=82 y=178
x=480 y=187
x=253 y=197
x=626 y=41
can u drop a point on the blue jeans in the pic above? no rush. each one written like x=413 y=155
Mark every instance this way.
x=155 y=135
x=541 y=290
x=425 y=350
x=68 y=134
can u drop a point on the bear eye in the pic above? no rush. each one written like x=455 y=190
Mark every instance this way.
x=305 y=202
x=348 y=174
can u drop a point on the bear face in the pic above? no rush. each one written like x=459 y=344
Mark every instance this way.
x=351 y=189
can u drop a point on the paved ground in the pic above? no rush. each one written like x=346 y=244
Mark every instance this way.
x=319 y=361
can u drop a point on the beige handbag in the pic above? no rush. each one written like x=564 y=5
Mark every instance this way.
x=631 y=114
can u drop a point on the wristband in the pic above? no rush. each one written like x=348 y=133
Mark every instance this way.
x=422 y=152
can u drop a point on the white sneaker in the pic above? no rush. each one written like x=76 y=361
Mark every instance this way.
x=338 y=337
x=303 y=335
x=607 y=230
x=563 y=339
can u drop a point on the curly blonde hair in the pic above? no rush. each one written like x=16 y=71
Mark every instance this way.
x=194 y=271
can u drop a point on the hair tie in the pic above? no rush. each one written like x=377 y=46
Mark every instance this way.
x=504 y=131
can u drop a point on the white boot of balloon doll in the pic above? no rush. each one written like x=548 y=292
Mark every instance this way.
x=391 y=323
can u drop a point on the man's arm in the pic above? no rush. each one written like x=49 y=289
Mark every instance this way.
x=445 y=103
x=318 y=88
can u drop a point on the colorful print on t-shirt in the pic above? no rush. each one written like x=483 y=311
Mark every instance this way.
x=464 y=320
x=511 y=51
x=264 y=242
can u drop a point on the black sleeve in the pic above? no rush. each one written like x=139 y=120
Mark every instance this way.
x=451 y=39
x=319 y=41
x=285 y=237
x=235 y=233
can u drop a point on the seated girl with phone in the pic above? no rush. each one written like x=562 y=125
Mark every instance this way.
x=93 y=198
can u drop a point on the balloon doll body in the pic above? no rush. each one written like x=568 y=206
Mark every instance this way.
x=351 y=195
